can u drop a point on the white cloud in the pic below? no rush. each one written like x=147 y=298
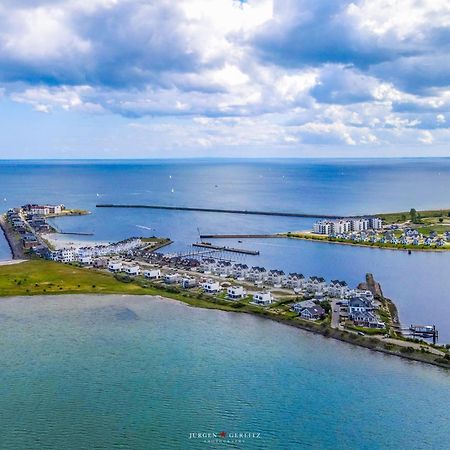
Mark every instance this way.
x=229 y=73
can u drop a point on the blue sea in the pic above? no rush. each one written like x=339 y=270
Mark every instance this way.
x=419 y=283
x=84 y=372
x=123 y=372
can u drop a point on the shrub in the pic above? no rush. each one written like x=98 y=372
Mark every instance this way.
x=407 y=350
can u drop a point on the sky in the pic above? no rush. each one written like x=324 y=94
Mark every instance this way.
x=224 y=78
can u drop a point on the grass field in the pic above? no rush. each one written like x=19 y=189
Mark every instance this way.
x=47 y=277
x=397 y=217
x=40 y=277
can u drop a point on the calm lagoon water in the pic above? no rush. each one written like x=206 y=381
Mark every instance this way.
x=419 y=283
x=84 y=372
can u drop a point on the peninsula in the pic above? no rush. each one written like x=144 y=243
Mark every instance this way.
x=359 y=315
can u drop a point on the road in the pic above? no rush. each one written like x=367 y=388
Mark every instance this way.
x=335 y=308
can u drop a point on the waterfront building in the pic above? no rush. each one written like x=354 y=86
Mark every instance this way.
x=240 y=271
x=366 y=319
x=298 y=307
x=359 y=304
x=360 y=224
x=276 y=277
x=295 y=280
x=188 y=282
x=152 y=274
x=115 y=266
x=337 y=288
x=345 y=226
x=236 y=292
x=315 y=312
x=323 y=227
x=375 y=223
x=211 y=287
x=44 y=209
x=131 y=269
x=100 y=263
x=257 y=274
x=316 y=284
x=85 y=260
x=263 y=298
x=172 y=278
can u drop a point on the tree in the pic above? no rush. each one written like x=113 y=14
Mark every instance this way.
x=441 y=219
x=413 y=215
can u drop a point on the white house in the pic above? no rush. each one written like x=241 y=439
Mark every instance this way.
x=257 y=274
x=295 y=280
x=172 y=278
x=264 y=298
x=357 y=305
x=367 y=319
x=276 y=277
x=132 y=269
x=236 y=292
x=152 y=274
x=115 y=266
x=240 y=271
x=211 y=287
x=85 y=260
x=316 y=284
x=188 y=282
x=337 y=288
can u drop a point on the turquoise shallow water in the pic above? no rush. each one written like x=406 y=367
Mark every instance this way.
x=84 y=372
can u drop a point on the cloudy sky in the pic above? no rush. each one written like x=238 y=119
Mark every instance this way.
x=147 y=78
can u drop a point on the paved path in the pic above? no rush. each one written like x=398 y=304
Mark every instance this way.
x=335 y=308
x=414 y=345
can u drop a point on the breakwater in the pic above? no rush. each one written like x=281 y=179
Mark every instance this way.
x=226 y=211
x=226 y=249
x=241 y=236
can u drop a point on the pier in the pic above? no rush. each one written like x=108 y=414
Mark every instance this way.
x=226 y=211
x=75 y=233
x=424 y=331
x=226 y=249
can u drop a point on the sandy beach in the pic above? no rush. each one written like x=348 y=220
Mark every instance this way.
x=59 y=241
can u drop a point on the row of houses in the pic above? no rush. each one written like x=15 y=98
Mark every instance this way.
x=341 y=226
x=86 y=255
x=362 y=312
x=22 y=228
x=275 y=278
x=43 y=210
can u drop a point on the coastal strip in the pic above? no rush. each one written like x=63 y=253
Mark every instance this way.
x=14 y=245
x=225 y=211
x=40 y=277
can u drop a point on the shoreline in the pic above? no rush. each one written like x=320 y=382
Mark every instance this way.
x=327 y=332
x=16 y=250
x=380 y=247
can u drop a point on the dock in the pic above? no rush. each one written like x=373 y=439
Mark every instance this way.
x=424 y=331
x=226 y=211
x=225 y=249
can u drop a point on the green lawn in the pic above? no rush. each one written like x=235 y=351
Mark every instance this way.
x=47 y=277
x=40 y=277
x=402 y=216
